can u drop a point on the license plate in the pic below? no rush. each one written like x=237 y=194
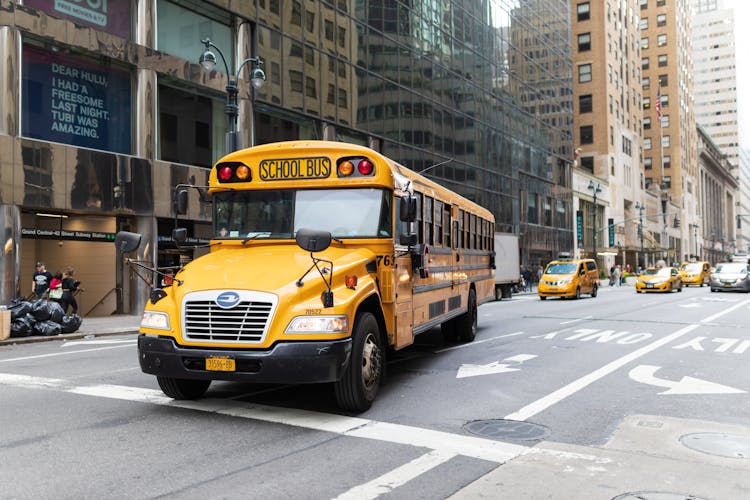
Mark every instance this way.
x=727 y=285
x=649 y=285
x=220 y=364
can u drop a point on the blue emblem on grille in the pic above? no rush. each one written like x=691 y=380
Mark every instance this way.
x=228 y=300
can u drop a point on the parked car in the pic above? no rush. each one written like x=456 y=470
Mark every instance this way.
x=568 y=277
x=659 y=279
x=695 y=273
x=730 y=276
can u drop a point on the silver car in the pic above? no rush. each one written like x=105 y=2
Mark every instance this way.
x=731 y=276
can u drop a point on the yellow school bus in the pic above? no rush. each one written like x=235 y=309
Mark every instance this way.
x=325 y=255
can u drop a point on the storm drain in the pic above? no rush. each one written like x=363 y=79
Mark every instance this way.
x=655 y=495
x=722 y=445
x=507 y=429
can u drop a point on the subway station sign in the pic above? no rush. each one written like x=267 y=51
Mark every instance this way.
x=57 y=234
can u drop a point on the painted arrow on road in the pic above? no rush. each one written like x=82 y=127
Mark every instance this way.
x=692 y=304
x=646 y=374
x=494 y=367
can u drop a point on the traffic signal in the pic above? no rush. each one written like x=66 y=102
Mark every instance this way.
x=676 y=221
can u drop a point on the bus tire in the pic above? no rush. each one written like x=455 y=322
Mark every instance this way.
x=466 y=324
x=357 y=388
x=180 y=388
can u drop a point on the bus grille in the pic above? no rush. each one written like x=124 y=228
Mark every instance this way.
x=204 y=320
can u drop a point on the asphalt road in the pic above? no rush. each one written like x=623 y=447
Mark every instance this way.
x=606 y=394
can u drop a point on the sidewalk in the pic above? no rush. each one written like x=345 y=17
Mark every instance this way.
x=97 y=326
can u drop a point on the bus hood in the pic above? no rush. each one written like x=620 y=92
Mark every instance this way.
x=268 y=268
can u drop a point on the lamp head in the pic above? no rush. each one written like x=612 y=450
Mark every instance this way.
x=208 y=59
x=257 y=77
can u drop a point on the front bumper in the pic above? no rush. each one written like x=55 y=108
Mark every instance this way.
x=284 y=363
x=544 y=290
x=731 y=286
x=655 y=287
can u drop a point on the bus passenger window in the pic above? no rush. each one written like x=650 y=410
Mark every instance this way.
x=438 y=223
x=429 y=229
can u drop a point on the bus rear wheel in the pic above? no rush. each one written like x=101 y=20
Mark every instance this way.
x=466 y=324
x=357 y=388
x=180 y=388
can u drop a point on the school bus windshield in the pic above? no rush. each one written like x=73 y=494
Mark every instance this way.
x=278 y=214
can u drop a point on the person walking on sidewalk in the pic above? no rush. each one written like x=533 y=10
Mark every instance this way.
x=69 y=286
x=616 y=275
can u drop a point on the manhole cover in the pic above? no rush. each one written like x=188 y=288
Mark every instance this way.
x=723 y=445
x=507 y=429
x=655 y=495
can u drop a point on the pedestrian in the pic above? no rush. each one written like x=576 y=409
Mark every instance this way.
x=69 y=287
x=527 y=279
x=41 y=280
x=612 y=276
x=55 y=288
x=616 y=275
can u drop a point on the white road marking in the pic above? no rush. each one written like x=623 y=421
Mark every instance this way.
x=50 y=355
x=444 y=442
x=397 y=477
x=470 y=370
x=646 y=374
x=691 y=304
x=555 y=397
x=469 y=344
x=71 y=343
x=575 y=320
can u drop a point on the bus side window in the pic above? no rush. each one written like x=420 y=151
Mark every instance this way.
x=428 y=227
x=438 y=223
x=448 y=225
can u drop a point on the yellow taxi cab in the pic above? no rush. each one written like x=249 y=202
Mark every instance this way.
x=695 y=273
x=659 y=279
x=568 y=277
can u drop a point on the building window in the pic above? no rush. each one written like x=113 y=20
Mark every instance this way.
x=328 y=29
x=667 y=182
x=665 y=121
x=611 y=135
x=584 y=42
x=663 y=80
x=310 y=87
x=331 y=99
x=667 y=161
x=646 y=103
x=296 y=17
x=644 y=23
x=662 y=60
x=664 y=101
x=661 y=3
x=647 y=163
x=627 y=146
x=646 y=83
x=646 y=123
x=310 y=21
x=587 y=163
x=587 y=134
x=644 y=63
x=584 y=11
x=661 y=20
x=584 y=73
x=187 y=129
x=646 y=143
x=665 y=141
x=585 y=103
x=343 y=99
x=295 y=80
x=661 y=40
x=532 y=214
x=644 y=42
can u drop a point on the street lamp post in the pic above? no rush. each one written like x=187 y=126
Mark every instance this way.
x=596 y=188
x=640 y=208
x=257 y=78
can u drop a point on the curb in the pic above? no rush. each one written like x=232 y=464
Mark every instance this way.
x=66 y=336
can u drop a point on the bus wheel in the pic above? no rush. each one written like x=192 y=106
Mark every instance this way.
x=180 y=388
x=361 y=380
x=448 y=330
x=466 y=324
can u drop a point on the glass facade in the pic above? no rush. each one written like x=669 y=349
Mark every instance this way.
x=485 y=88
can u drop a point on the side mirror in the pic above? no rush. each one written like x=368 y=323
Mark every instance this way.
x=180 y=202
x=408 y=208
x=312 y=240
x=126 y=241
x=407 y=239
x=179 y=234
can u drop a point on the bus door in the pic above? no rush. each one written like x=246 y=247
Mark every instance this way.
x=404 y=279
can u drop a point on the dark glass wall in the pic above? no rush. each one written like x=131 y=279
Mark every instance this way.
x=484 y=86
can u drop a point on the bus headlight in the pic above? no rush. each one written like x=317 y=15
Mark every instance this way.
x=318 y=324
x=157 y=320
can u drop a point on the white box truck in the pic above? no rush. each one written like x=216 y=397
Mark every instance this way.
x=507 y=265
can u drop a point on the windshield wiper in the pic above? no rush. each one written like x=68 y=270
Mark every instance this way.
x=257 y=235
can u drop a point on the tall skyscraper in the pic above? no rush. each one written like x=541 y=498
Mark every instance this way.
x=715 y=91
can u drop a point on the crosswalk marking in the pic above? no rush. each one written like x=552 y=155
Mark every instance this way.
x=397 y=477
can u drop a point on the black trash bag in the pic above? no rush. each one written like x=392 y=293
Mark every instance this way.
x=19 y=309
x=40 y=310
x=21 y=327
x=56 y=312
x=46 y=328
x=70 y=323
